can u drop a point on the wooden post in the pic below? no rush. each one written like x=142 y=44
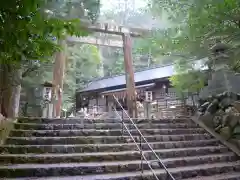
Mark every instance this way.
x=97 y=102
x=107 y=108
x=130 y=83
x=58 y=76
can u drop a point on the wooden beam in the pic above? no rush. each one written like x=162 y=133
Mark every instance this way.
x=115 y=29
x=97 y=41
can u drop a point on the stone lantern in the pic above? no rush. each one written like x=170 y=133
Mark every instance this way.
x=220 y=56
x=47 y=96
x=222 y=78
x=147 y=104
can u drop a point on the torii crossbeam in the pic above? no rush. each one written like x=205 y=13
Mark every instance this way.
x=108 y=29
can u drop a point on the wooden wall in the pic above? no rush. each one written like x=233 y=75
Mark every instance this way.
x=105 y=103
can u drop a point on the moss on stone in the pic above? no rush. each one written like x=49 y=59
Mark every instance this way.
x=225 y=132
x=6 y=125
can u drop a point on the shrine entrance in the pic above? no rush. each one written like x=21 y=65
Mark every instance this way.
x=125 y=43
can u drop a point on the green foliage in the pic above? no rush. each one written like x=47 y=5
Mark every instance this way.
x=83 y=64
x=31 y=87
x=6 y=126
x=197 y=25
x=187 y=80
x=27 y=32
x=147 y=52
x=200 y=23
x=160 y=45
x=112 y=60
x=87 y=62
x=71 y=9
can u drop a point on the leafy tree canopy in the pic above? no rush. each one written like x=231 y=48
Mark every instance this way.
x=197 y=25
x=187 y=79
x=83 y=64
x=71 y=9
x=200 y=23
x=27 y=32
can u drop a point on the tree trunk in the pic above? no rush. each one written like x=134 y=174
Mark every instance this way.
x=5 y=89
x=10 y=85
x=13 y=107
x=183 y=99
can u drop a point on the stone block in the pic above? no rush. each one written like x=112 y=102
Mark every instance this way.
x=207 y=119
x=236 y=142
x=1 y=117
x=225 y=132
x=236 y=132
x=213 y=107
x=236 y=105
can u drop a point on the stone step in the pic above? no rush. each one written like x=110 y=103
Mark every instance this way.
x=178 y=173
x=102 y=139
x=109 y=156
x=223 y=176
x=66 y=169
x=90 y=121
x=99 y=132
x=102 y=126
x=79 y=148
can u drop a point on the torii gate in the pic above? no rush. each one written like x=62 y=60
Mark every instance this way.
x=126 y=44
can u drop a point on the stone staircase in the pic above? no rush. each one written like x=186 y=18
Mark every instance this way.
x=73 y=149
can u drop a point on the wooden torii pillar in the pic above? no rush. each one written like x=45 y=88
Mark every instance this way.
x=130 y=82
x=58 y=77
x=59 y=66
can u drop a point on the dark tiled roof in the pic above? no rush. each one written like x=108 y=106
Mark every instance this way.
x=150 y=74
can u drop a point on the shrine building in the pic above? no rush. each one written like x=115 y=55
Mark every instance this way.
x=99 y=92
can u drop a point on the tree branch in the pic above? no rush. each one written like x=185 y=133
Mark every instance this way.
x=29 y=70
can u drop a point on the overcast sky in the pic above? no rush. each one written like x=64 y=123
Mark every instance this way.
x=112 y=4
x=107 y=5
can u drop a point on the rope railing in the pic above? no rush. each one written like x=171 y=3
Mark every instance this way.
x=139 y=145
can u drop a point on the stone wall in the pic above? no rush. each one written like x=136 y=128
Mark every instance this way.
x=222 y=113
x=6 y=125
